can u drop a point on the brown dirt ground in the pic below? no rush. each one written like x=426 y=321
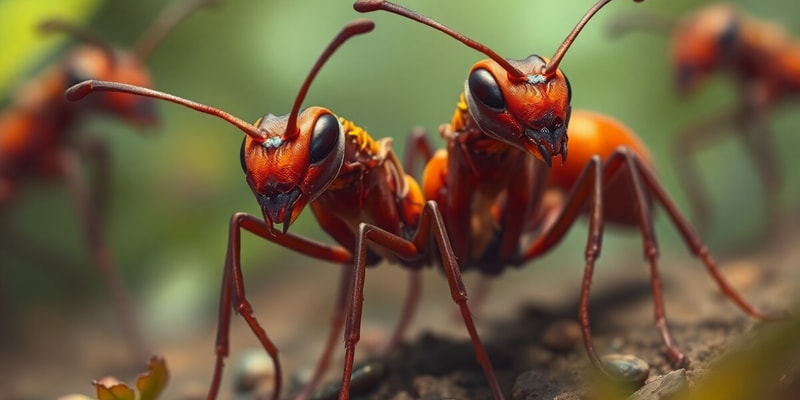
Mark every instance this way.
x=61 y=354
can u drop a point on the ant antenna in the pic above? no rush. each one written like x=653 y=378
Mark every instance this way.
x=164 y=23
x=59 y=25
x=83 y=89
x=353 y=28
x=374 y=5
x=552 y=65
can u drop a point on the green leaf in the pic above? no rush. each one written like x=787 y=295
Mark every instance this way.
x=152 y=383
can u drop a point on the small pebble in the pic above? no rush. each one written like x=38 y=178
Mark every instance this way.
x=254 y=372
x=626 y=368
x=364 y=377
x=562 y=335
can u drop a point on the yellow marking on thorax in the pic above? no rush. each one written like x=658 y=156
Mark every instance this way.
x=363 y=140
x=459 y=116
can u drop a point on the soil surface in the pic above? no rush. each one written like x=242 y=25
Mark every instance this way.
x=532 y=343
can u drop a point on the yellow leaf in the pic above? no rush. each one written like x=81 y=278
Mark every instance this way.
x=119 y=391
x=152 y=383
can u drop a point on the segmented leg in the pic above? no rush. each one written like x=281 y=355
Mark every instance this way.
x=409 y=309
x=431 y=222
x=233 y=292
x=418 y=149
x=686 y=145
x=645 y=187
x=96 y=152
x=337 y=323
x=69 y=166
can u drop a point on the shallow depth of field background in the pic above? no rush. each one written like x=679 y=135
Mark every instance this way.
x=175 y=189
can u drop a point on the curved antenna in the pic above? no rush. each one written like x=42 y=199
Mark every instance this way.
x=374 y=5
x=83 y=89
x=170 y=17
x=624 y=23
x=59 y=25
x=552 y=65
x=353 y=28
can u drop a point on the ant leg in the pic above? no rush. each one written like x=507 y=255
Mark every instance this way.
x=685 y=146
x=623 y=159
x=98 y=154
x=412 y=297
x=337 y=322
x=588 y=187
x=430 y=222
x=233 y=292
x=418 y=148
x=759 y=144
x=71 y=169
x=695 y=245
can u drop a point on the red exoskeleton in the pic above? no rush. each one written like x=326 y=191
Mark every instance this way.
x=38 y=138
x=513 y=112
x=763 y=60
x=360 y=196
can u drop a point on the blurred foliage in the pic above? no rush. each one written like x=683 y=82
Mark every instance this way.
x=174 y=192
x=149 y=385
x=22 y=17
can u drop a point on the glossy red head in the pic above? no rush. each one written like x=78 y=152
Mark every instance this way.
x=287 y=172
x=702 y=42
x=525 y=103
x=289 y=160
x=530 y=113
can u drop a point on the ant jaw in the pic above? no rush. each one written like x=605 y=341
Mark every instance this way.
x=545 y=143
x=280 y=208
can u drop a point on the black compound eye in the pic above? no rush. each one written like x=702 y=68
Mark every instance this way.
x=325 y=137
x=241 y=156
x=484 y=87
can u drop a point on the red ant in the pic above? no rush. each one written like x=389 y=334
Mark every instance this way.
x=761 y=57
x=37 y=134
x=511 y=109
x=359 y=194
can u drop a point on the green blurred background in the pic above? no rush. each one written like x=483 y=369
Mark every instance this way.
x=174 y=192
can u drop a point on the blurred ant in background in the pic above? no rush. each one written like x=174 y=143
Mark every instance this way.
x=764 y=62
x=39 y=142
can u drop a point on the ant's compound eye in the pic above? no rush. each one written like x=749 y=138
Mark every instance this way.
x=325 y=137
x=483 y=86
x=241 y=156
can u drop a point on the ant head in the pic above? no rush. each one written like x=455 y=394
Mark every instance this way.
x=93 y=63
x=301 y=152
x=531 y=113
x=286 y=172
x=525 y=103
x=289 y=160
x=703 y=42
x=97 y=60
